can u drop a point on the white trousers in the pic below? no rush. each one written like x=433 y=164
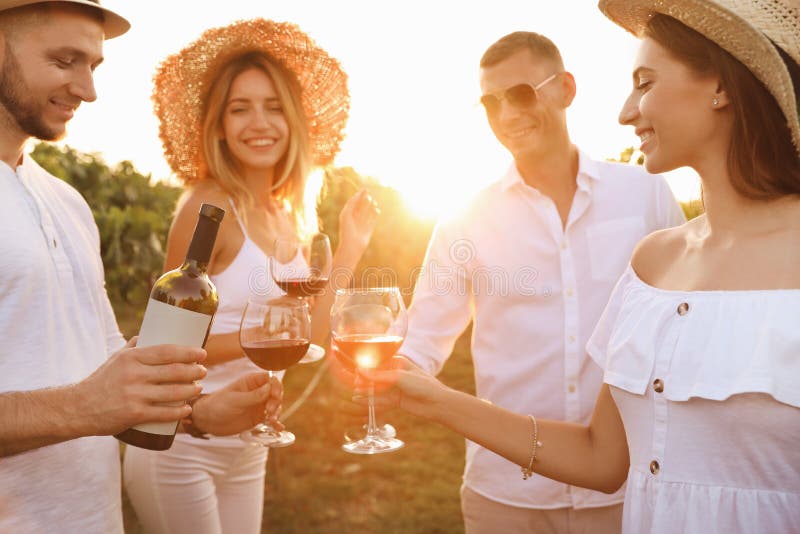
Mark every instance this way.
x=197 y=487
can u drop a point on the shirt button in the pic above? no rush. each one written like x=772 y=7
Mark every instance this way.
x=658 y=385
x=564 y=245
x=571 y=388
x=569 y=292
x=683 y=308
x=572 y=339
x=654 y=467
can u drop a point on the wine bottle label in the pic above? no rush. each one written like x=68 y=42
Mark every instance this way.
x=165 y=324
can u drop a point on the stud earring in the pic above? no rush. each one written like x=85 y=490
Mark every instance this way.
x=715 y=102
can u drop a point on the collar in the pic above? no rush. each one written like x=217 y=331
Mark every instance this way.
x=588 y=169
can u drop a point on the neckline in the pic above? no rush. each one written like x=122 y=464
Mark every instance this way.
x=708 y=292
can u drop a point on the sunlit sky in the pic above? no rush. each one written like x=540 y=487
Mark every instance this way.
x=413 y=69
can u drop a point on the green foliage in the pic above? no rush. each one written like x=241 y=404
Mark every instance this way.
x=133 y=217
x=627 y=156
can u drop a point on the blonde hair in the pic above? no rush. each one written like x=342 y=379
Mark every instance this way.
x=217 y=162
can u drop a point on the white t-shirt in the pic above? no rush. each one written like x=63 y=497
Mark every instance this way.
x=56 y=328
x=706 y=385
x=534 y=292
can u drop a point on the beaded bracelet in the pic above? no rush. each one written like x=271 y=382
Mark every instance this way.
x=535 y=444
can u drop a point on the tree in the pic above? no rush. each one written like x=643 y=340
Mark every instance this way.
x=132 y=214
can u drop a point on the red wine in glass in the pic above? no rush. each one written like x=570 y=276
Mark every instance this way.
x=274 y=335
x=276 y=354
x=301 y=268
x=302 y=287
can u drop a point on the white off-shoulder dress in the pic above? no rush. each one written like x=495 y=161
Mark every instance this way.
x=708 y=387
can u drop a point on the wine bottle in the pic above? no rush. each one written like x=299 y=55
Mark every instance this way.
x=180 y=310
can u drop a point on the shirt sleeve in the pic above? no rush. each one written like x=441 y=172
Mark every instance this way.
x=441 y=307
x=669 y=210
x=597 y=346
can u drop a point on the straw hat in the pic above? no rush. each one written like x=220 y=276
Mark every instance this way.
x=183 y=79
x=113 y=24
x=746 y=29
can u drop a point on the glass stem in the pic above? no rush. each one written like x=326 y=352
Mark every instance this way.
x=372 y=428
x=269 y=428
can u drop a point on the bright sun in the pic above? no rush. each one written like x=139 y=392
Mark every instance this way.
x=414 y=120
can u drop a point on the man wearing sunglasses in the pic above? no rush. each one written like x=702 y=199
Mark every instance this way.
x=531 y=263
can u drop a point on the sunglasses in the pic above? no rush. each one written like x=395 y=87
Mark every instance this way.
x=520 y=96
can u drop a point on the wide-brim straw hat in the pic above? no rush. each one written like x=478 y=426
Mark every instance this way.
x=183 y=79
x=747 y=29
x=114 y=25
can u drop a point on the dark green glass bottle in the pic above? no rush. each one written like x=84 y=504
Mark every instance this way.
x=180 y=310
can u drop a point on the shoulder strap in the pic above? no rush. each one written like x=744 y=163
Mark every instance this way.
x=238 y=219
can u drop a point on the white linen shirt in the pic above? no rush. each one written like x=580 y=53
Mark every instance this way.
x=534 y=292
x=56 y=328
x=706 y=385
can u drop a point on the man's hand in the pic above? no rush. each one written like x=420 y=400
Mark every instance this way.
x=240 y=405
x=132 y=386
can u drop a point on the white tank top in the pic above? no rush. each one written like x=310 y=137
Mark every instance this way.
x=247 y=276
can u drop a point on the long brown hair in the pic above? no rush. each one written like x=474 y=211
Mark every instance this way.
x=222 y=167
x=762 y=161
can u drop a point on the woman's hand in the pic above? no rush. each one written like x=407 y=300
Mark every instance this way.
x=240 y=405
x=404 y=386
x=357 y=222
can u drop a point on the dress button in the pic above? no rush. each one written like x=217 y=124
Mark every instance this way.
x=683 y=308
x=654 y=467
x=658 y=385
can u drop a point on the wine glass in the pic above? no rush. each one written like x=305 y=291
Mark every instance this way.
x=368 y=327
x=274 y=335
x=356 y=430
x=302 y=268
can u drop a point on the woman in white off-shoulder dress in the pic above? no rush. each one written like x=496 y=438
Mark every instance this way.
x=700 y=341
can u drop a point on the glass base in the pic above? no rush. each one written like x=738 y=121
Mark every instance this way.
x=385 y=431
x=374 y=445
x=267 y=436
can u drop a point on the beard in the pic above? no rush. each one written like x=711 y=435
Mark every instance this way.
x=23 y=110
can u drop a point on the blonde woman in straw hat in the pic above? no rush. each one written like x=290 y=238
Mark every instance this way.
x=700 y=410
x=245 y=112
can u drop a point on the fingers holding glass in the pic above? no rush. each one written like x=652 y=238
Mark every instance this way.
x=368 y=327
x=275 y=336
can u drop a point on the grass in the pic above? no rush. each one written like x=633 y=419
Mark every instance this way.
x=313 y=486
